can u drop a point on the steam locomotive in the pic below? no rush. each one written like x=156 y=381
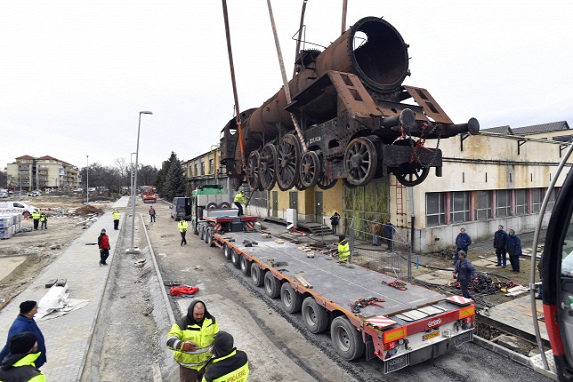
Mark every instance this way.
x=347 y=120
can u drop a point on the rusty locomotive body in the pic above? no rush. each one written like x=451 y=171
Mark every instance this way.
x=353 y=121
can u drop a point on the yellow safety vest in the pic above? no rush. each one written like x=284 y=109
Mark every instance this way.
x=343 y=250
x=240 y=198
x=182 y=225
x=203 y=336
x=116 y=215
x=237 y=375
x=36 y=215
x=43 y=218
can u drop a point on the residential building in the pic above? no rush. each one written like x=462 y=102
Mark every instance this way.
x=29 y=173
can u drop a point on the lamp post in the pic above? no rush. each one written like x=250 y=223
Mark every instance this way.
x=131 y=173
x=87 y=179
x=131 y=249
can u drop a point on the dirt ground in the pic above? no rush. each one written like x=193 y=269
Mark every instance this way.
x=30 y=251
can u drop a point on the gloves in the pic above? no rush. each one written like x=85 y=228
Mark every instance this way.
x=188 y=346
x=454 y=275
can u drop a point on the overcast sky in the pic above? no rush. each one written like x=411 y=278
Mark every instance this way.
x=75 y=74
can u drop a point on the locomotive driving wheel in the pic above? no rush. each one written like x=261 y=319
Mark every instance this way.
x=268 y=166
x=254 y=170
x=324 y=182
x=288 y=162
x=309 y=169
x=360 y=161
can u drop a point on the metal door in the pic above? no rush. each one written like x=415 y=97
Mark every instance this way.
x=318 y=211
x=275 y=203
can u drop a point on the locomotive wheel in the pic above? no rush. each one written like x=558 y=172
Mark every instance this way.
x=412 y=177
x=254 y=170
x=268 y=166
x=360 y=161
x=324 y=182
x=309 y=169
x=288 y=160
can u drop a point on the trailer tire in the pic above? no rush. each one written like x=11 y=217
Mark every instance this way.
x=236 y=258
x=257 y=275
x=201 y=232
x=211 y=206
x=208 y=235
x=194 y=227
x=314 y=316
x=346 y=339
x=245 y=266
x=224 y=205
x=272 y=285
x=290 y=299
x=227 y=252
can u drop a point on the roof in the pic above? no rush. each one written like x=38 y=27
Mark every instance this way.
x=500 y=130
x=25 y=157
x=542 y=128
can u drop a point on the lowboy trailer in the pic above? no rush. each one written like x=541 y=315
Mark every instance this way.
x=368 y=313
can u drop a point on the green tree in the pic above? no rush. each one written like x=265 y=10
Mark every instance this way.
x=171 y=180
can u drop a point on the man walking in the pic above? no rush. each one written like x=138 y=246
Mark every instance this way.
x=191 y=339
x=239 y=200
x=43 y=221
x=151 y=214
x=514 y=250
x=499 y=243
x=116 y=215
x=183 y=230
x=228 y=363
x=464 y=272
x=36 y=218
x=463 y=241
x=20 y=364
x=104 y=247
x=25 y=323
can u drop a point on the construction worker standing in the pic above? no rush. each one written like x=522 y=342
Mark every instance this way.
x=239 y=200
x=116 y=215
x=36 y=218
x=343 y=249
x=183 y=229
x=228 y=363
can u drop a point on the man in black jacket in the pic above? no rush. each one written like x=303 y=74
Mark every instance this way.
x=227 y=363
x=19 y=365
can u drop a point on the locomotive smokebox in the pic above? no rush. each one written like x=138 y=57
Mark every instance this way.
x=372 y=49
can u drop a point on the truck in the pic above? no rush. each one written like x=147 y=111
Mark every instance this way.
x=369 y=314
x=207 y=197
x=148 y=194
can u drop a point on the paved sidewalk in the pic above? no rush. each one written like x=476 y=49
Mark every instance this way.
x=68 y=337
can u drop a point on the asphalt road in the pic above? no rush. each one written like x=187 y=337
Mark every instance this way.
x=288 y=352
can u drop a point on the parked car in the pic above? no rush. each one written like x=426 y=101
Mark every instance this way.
x=35 y=193
x=3 y=194
x=17 y=207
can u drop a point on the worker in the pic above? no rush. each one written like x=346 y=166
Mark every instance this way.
x=228 y=363
x=191 y=339
x=239 y=200
x=19 y=365
x=183 y=230
x=334 y=220
x=463 y=242
x=464 y=272
x=343 y=252
x=36 y=218
x=43 y=221
x=116 y=215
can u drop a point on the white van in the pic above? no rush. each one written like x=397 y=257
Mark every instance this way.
x=17 y=207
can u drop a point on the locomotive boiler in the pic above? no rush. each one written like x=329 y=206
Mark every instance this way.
x=356 y=120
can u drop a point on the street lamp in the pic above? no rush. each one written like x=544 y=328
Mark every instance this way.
x=131 y=249
x=87 y=179
x=131 y=172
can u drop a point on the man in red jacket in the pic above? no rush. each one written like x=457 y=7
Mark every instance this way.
x=104 y=247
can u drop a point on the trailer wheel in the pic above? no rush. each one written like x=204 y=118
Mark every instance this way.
x=201 y=233
x=257 y=275
x=272 y=285
x=210 y=238
x=245 y=266
x=290 y=299
x=314 y=316
x=194 y=227
x=224 y=206
x=211 y=206
x=207 y=235
x=346 y=339
x=227 y=252
x=235 y=258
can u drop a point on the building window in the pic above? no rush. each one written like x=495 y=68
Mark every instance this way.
x=483 y=211
x=459 y=207
x=211 y=166
x=536 y=199
x=202 y=168
x=521 y=202
x=503 y=203
x=435 y=209
x=195 y=169
x=551 y=201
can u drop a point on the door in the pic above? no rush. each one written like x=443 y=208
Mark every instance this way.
x=275 y=203
x=557 y=277
x=293 y=200
x=318 y=211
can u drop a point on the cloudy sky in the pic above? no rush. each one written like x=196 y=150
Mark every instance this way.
x=74 y=75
